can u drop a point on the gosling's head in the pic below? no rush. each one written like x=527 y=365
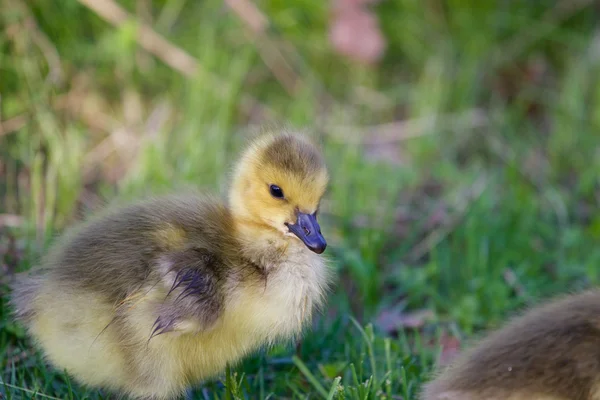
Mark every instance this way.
x=277 y=188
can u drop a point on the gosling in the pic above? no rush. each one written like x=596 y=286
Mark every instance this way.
x=153 y=298
x=552 y=352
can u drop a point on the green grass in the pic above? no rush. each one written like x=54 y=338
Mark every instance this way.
x=479 y=200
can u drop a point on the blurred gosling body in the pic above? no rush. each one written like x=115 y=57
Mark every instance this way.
x=154 y=297
x=551 y=352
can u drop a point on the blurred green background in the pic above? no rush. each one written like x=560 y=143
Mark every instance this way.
x=462 y=137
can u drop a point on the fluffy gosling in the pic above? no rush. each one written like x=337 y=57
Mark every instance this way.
x=552 y=352
x=152 y=298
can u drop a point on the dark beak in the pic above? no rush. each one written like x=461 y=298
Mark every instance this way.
x=308 y=230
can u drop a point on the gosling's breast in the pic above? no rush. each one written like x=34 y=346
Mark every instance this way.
x=280 y=305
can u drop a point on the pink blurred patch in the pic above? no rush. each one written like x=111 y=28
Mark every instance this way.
x=355 y=33
x=450 y=349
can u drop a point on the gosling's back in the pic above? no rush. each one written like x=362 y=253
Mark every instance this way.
x=550 y=352
x=102 y=292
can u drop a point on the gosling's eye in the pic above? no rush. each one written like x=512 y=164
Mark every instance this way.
x=276 y=191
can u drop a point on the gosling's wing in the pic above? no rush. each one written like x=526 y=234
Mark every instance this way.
x=194 y=300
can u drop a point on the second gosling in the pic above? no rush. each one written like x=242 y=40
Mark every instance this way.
x=552 y=352
x=150 y=299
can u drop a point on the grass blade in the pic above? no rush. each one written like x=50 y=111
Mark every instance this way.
x=334 y=388
x=311 y=378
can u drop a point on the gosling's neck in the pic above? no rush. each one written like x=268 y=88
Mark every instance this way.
x=259 y=243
